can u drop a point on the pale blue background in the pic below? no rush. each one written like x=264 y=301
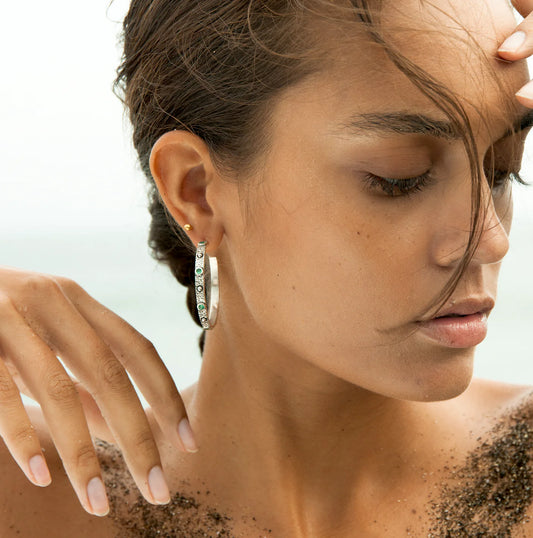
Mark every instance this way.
x=72 y=200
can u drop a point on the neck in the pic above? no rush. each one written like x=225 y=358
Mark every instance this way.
x=267 y=422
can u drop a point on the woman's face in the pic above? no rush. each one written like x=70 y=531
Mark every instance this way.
x=338 y=268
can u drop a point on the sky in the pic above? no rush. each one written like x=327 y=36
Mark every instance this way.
x=66 y=154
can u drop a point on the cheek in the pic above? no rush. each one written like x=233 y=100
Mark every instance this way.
x=341 y=294
x=331 y=267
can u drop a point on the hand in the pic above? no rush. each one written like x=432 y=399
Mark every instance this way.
x=44 y=317
x=519 y=45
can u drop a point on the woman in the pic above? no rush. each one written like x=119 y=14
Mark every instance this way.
x=355 y=191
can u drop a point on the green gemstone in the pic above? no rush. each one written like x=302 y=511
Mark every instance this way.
x=199 y=271
x=201 y=307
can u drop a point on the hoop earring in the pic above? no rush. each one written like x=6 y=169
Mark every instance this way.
x=206 y=285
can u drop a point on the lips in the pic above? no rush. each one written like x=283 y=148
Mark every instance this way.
x=461 y=325
x=467 y=307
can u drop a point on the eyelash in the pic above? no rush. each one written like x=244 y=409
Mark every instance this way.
x=398 y=187
x=502 y=177
x=409 y=186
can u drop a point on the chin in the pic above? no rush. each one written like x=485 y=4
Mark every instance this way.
x=445 y=379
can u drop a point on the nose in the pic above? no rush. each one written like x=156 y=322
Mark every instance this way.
x=451 y=241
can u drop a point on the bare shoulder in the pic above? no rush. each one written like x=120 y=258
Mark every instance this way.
x=510 y=449
x=488 y=491
x=27 y=510
x=487 y=402
x=496 y=395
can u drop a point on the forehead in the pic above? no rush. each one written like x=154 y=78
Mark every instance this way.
x=456 y=42
x=453 y=41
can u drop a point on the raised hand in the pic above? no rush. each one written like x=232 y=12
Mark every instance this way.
x=519 y=45
x=44 y=317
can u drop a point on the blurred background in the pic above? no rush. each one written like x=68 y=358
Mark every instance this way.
x=72 y=199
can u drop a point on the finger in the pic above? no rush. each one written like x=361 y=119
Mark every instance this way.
x=95 y=420
x=143 y=363
x=97 y=424
x=17 y=378
x=519 y=44
x=18 y=432
x=48 y=381
x=97 y=368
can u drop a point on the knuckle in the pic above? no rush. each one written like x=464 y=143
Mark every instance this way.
x=167 y=396
x=7 y=306
x=144 y=442
x=60 y=388
x=36 y=283
x=23 y=435
x=6 y=302
x=146 y=346
x=8 y=389
x=83 y=456
x=67 y=284
x=113 y=374
x=141 y=346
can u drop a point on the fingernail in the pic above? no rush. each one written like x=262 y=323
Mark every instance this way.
x=97 y=497
x=40 y=471
x=526 y=91
x=186 y=436
x=158 y=486
x=513 y=42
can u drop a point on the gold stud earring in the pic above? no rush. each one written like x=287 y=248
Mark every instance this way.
x=187 y=227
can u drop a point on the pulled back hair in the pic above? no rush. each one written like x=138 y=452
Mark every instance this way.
x=212 y=67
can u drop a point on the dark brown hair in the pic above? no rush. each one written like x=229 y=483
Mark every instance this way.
x=212 y=67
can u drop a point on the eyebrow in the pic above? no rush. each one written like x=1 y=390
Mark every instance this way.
x=405 y=123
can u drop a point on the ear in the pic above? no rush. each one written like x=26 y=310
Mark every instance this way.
x=184 y=173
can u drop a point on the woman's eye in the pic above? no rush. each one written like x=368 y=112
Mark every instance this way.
x=498 y=179
x=397 y=187
x=392 y=187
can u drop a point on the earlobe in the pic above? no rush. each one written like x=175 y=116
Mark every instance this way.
x=182 y=169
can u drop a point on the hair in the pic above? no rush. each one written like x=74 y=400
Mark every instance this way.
x=212 y=68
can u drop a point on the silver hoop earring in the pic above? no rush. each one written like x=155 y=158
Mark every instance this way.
x=206 y=286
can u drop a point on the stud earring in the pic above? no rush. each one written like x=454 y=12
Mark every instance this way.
x=206 y=286
x=187 y=227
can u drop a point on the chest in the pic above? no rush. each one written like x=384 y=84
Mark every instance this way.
x=487 y=493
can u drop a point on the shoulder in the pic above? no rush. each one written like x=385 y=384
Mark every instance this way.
x=27 y=510
x=498 y=392
x=489 y=489
x=483 y=405
x=487 y=401
x=495 y=410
